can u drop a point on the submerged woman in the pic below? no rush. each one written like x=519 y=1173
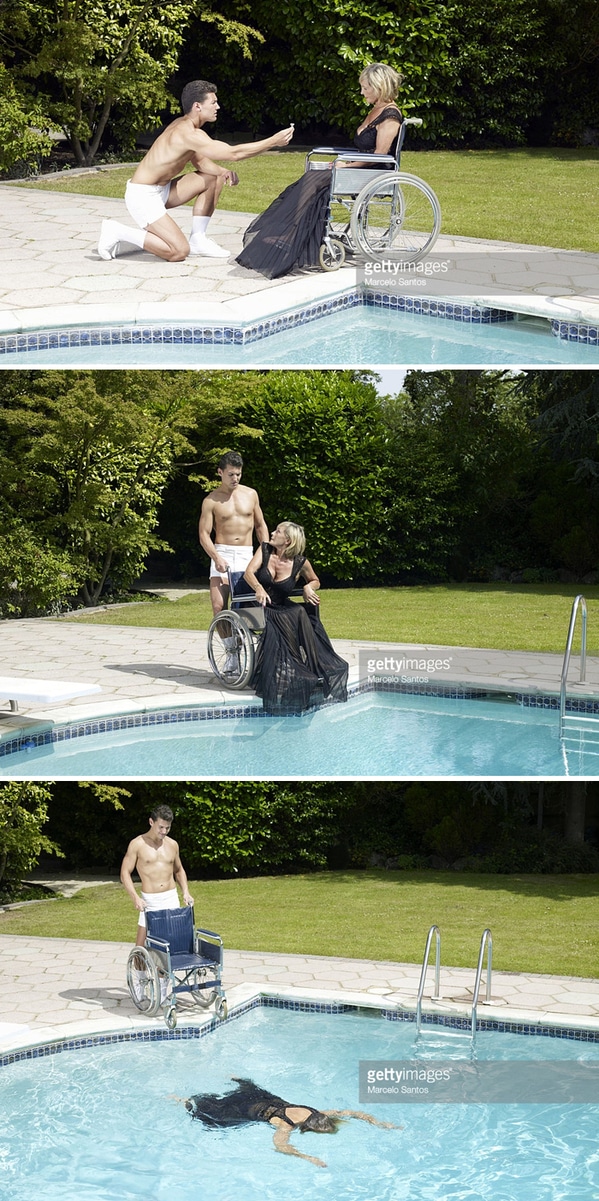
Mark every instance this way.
x=290 y=231
x=296 y=666
x=250 y=1103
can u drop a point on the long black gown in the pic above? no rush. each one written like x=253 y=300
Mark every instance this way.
x=296 y=666
x=289 y=233
x=247 y=1103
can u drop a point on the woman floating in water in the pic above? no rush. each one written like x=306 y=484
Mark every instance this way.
x=250 y=1103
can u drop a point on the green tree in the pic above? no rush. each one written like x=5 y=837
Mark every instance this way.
x=319 y=460
x=23 y=813
x=84 y=460
x=24 y=127
x=101 y=64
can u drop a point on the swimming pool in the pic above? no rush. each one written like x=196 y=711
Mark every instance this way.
x=100 y=1124
x=370 y=334
x=376 y=734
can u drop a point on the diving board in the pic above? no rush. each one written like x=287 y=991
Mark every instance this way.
x=42 y=692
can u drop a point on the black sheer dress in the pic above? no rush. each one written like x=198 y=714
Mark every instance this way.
x=296 y=666
x=289 y=233
x=247 y=1103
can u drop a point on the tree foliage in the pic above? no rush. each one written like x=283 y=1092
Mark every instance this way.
x=23 y=813
x=475 y=72
x=103 y=65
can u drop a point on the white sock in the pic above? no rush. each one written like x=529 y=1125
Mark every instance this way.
x=230 y=643
x=128 y=233
x=199 y=225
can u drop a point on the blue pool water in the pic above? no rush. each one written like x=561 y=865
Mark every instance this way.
x=101 y=1124
x=375 y=734
x=362 y=337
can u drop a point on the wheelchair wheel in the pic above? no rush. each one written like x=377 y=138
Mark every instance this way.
x=221 y=1009
x=144 y=981
x=398 y=216
x=231 y=649
x=204 y=997
x=331 y=255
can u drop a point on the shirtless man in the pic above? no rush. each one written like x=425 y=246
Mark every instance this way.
x=158 y=185
x=155 y=856
x=233 y=512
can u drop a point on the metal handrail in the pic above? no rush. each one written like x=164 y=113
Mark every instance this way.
x=486 y=941
x=579 y=601
x=435 y=995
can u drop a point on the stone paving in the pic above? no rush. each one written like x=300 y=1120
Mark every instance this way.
x=140 y=668
x=58 y=987
x=50 y=271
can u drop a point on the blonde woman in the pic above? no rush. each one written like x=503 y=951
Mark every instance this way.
x=296 y=666
x=289 y=233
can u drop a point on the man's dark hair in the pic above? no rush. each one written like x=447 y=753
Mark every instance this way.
x=162 y=813
x=196 y=91
x=230 y=459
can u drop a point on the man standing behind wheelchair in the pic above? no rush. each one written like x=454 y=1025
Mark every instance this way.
x=156 y=859
x=288 y=234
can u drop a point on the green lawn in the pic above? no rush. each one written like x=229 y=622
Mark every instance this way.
x=538 y=923
x=546 y=197
x=532 y=617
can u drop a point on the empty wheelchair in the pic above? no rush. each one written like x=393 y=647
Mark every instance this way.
x=177 y=958
x=374 y=208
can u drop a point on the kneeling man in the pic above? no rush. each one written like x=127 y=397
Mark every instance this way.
x=157 y=185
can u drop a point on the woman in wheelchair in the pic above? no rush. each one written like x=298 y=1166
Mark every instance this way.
x=289 y=232
x=296 y=666
x=250 y=1103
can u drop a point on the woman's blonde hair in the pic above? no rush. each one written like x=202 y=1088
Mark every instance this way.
x=296 y=538
x=384 y=80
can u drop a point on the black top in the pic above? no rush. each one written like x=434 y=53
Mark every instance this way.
x=366 y=139
x=279 y=591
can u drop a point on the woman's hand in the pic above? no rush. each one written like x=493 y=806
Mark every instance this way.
x=262 y=596
x=310 y=596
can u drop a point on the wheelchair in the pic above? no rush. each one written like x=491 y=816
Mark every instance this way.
x=177 y=958
x=375 y=209
x=234 y=633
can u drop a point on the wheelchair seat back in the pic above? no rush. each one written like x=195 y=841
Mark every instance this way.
x=174 y=926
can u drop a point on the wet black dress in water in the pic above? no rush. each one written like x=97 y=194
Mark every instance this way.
x=296 y=666
x=247 y=1103
x=289 y=232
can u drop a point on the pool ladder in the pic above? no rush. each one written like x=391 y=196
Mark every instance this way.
x=573 y=725
x=486 y=944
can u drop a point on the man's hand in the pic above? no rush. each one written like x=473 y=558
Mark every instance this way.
x=187 y=898
x=221 y=565
x=231 y=178
x=284 y=136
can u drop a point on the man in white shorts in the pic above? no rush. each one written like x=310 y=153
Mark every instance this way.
x=231 y=513
x=156 y=859
x=158 y=184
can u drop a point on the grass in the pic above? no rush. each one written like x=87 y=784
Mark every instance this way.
x=528 y=617
x=539 y=923
x=544 y=197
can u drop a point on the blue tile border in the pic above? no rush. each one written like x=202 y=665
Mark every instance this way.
x=196 y=333
x=189 y=1033
x=190 y=714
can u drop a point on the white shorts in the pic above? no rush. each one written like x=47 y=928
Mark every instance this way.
x=146 y=202
x=158 y=900
x=237 y=557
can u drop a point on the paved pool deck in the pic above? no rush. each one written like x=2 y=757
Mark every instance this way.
x=148 y=668
x=57 y=988
x=51 y=275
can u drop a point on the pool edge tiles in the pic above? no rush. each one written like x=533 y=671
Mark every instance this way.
x=228 y=330
x=525 y=1026
x=28 y=739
